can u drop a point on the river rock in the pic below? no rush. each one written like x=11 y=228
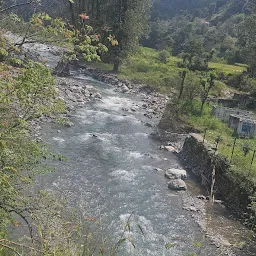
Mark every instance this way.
x=97 y=95
x=124 y=89
x=170 y=148
x=148 y=125
x=202 y=197
x=69 y=124
x=176 y=174
x=177 y=184
x=190 y=208
x=75 y=89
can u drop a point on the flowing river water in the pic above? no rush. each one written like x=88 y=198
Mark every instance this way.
x=111 y=173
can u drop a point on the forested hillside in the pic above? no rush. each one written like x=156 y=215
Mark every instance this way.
x=188 y=53
x=219 y=26
x=223 y=30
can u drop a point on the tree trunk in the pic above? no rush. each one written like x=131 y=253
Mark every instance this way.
x=71 y=8
x=97 y=10
x=116 y=66
x=62 y=69
x=202 y=105
x=182 y=83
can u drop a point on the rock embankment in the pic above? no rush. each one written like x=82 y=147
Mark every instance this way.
x=154 y=103
x=75 y=93
x=235 y=189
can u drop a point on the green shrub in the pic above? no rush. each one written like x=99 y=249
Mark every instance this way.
x=3 y=54
x=15 y=62
x=163 y=56
x=142 y=67
x=218 y=89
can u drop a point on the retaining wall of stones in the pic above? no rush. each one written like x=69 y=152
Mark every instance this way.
x=234 y=188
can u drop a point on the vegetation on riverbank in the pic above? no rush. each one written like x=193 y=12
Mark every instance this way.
x=217 y=132
x=27 y=92
x=147 y=67
x=39 y=220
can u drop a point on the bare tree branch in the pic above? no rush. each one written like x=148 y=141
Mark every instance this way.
x=17 y=244
x=16 y=5
x=10 y=248
x=246 y=3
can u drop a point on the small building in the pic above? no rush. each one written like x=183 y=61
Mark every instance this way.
x=242 y=126
x=241 y=121
x=223 y=113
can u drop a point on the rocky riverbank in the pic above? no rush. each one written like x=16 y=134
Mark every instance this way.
x=77 y=93
x=154 y=103
x=197 y=204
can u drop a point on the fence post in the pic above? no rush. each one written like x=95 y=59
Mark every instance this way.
x=217 y=140
x=234 y=144
x=204 y=134
x=253 y=158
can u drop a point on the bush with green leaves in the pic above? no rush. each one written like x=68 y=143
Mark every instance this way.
x=23 y=97
x=163 y=56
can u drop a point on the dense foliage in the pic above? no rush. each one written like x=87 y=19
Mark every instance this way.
x=118 y=24
x=185 y=39
x=218 y=27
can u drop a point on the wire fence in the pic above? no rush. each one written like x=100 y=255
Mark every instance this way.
x=240 y=152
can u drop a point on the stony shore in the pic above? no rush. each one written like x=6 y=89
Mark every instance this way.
x=154 y=106
x=76 y=94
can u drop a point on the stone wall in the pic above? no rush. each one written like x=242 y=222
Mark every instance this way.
x=232 y=187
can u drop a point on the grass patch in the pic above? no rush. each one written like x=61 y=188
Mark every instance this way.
x=145 y=67
x=216 y=128
x=228 y=69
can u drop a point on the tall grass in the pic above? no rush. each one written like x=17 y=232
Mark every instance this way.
x=145 y=67
x=213 y=128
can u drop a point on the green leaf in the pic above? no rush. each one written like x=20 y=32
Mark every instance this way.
x=170 y=245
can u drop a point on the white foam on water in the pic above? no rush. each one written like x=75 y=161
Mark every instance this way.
x=142 y=231
x=124 y=175
x=91 y=116
x=58 y=139
x=140 y=227
x=84 y=77
x=115 y=103
x=55 y=184
x=85 y=137
x=141 y=134
x=135 y=154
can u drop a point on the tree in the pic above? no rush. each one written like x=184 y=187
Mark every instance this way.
x=163 y=56
x=207 y=85
x=183 y=77
x=16 y=5
x=247 y=42
x=25 y=96
x=120 y=23
x=28 y=93
x=128 y=24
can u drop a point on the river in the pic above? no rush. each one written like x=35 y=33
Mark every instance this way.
x=111 y=174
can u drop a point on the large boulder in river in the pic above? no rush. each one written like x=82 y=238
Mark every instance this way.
x=170 y=148
x=62 y=69
x=177 y=184
x=124 y=89
x=176 y=174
